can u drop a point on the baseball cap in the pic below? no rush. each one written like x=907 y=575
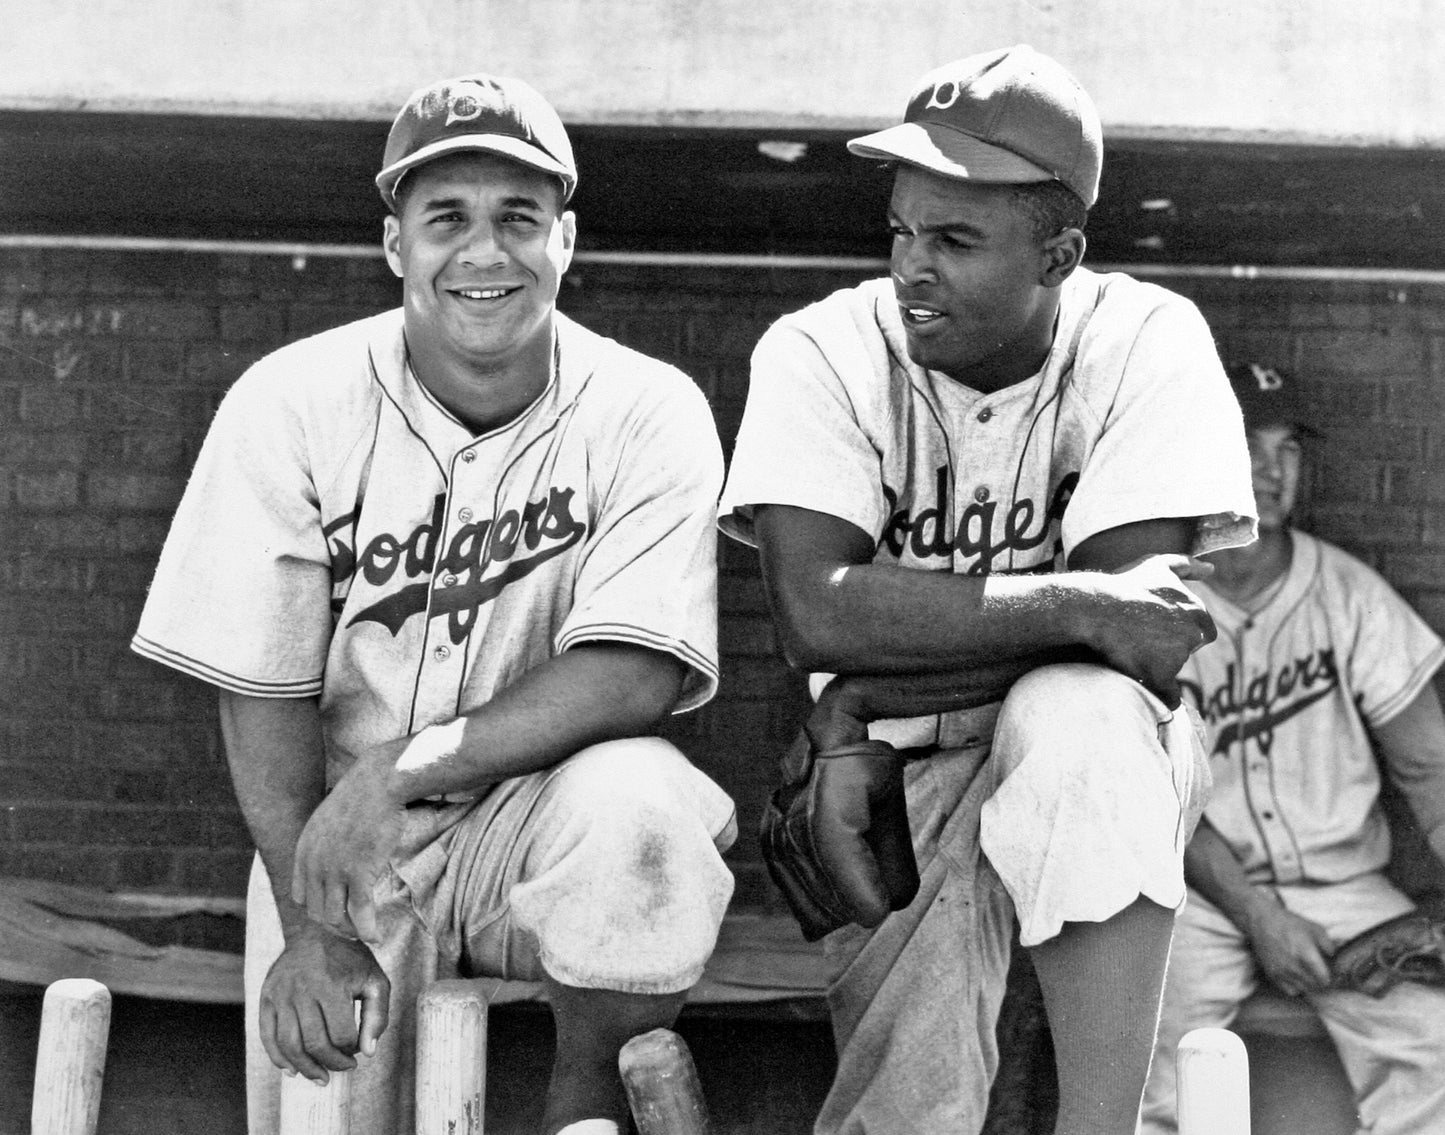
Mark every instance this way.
x=1268 y=396
x=477 y=112
x=1009 y=115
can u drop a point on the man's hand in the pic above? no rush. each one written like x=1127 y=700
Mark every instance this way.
x=308 y=1014
x=1293 y=951
x=345 y=846
x=1148 y=624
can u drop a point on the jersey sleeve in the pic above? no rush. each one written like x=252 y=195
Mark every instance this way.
x=241 y=593
x=1393 y=653
x=649 y=572
x=1172 y=442
x=801 y=442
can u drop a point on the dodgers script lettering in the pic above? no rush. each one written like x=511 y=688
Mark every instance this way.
x=484 y=556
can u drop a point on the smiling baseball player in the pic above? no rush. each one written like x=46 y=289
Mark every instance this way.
x=449 y=567
x=973 y=487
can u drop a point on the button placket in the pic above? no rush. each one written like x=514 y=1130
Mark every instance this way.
x=444 y=659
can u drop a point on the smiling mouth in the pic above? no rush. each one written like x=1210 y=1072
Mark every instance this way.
x=919 y=316
x=483 y=293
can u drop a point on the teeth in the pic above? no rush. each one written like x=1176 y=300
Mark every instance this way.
x=920 y=313
x=479 y=294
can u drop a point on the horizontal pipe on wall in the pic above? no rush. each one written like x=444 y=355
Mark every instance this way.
x=301 y=252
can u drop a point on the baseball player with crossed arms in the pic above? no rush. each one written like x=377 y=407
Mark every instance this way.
x=1319 y=665
x=449 y=567
x=974 y=488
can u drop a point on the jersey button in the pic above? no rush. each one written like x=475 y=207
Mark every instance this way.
x=449 y=581
x=980 y=494
x=464 y=515
x=441 y=653
x=468 y=456
x=985 y=414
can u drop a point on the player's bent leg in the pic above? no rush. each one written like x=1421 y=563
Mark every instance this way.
x=1101 y=983
x=1098 y=787
x=612 y=890
x=1211 y=973
x=1392 y=1047
x=913 y=1003
x=592 y=1027
x=624 y=887
x=1393 y=1051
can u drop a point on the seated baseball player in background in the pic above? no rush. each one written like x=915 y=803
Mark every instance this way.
x=974 y=488
x=1319 y=666
x=449 y=567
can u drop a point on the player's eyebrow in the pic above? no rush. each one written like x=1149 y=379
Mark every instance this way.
x=516 y=201
x=962 y=228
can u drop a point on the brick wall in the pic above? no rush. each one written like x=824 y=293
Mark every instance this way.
x=112 y=363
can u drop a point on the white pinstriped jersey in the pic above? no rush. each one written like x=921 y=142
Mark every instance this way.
x=344 y=535
x=1131 y=418
x=1288 y=694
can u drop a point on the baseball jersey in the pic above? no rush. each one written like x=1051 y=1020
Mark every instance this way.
x=1130 y=418
x=343 y=535
x=1288 y=693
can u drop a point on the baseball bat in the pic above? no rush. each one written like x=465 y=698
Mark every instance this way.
x=70 y=1060
x=451 y=1059
x=1213 y=1076
x=308 y=1108
x=662 y=1085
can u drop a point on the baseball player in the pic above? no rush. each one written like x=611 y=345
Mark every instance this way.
x=1318 y=666
x=974 y=487
x=448 y=567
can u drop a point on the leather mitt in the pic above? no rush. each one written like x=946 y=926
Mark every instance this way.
x=835 y=835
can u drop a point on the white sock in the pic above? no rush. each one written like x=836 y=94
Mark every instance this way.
x=590 y=1127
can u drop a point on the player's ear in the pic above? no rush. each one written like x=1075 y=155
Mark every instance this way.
x=568 y=233
x=391 y=242
x=1062 y=253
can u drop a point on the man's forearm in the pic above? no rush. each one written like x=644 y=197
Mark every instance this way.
x=1210 y=867
x=589 y=694
x=869 y=697
x=838 y=611
x=905 y=621
x=277 y=759
x=1412 y=744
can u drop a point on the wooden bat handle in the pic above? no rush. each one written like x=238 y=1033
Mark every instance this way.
x=451 y=1058
x=1213 y=1083
x=316 y=1109
x=70 y=1060
x=662 y=1085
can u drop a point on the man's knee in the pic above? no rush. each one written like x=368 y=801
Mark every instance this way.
x=637 y=802
x=634 y=776
x=626 y=887
x=1070 y=689
x=1070 y=710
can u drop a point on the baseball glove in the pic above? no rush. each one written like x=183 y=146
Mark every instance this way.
x=1408 y=948
x=835 y=836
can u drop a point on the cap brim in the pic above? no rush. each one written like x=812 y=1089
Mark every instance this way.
x=1272 y=421
x=947 y=152
x=516 y=149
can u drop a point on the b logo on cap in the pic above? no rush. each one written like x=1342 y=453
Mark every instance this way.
x=1267 y=378
x=463 y=108
x=935 y=100
x=469 y=101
